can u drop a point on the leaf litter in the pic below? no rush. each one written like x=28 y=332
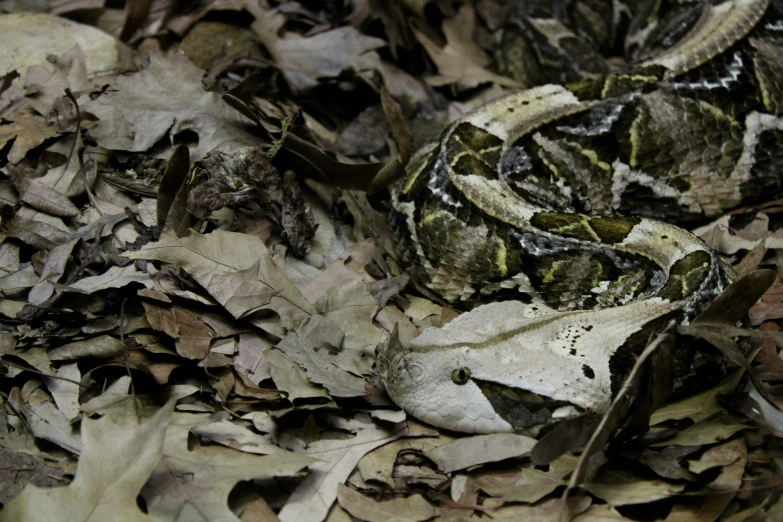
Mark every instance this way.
x=195 y=281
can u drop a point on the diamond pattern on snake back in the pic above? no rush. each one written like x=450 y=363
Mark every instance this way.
x=667 y=148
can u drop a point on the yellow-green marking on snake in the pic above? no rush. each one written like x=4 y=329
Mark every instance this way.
x=547 y=209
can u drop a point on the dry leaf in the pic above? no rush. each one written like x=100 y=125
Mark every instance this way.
x=29 y=38
x=194 y=485
x=45 y=420
x=305 y=60
x=164 y=100
x=237 y=436
x=460 y=62
x=300 y=346
x=706 y=432
x=410 y=509
x=337 y=458
x=621 y=488
x=697 y=407
x=28 y=131
x=104 y=347
x=548 y=511
x=480 y=449
x=236 y=270
x=291 y=379
x=116 y=462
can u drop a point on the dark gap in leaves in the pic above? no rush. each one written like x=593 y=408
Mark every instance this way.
x=648 y=511
x=142 y=504
x=186 y=137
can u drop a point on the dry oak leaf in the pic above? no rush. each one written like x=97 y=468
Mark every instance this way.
x=116 y=462
x=28 y=131
x=194 y=485
x=304 y=60
x=236 y=270
x=163 y=100
x=460 y=61
x=313 y=497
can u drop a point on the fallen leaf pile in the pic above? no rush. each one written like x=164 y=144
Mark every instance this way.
x=195 y=277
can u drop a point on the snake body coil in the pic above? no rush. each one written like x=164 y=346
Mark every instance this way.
x=553 y=198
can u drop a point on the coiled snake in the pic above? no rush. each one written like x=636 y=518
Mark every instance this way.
x=549 y=204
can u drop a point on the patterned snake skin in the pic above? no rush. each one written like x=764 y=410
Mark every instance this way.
x=555 y=197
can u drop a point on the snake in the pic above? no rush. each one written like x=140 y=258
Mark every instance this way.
x=553 y=214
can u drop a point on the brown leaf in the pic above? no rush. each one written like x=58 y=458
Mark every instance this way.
x=300 y=346
x=305 y=60
x=237 y=436
x=621 y=488
x=711 y=501
x=37 y=231
x=460 y=61
x=44 y=420
x=28 y=131
x=28 y=38
x=295 y=216
x=199 y=480
x=174 y=176
x=399 y=129
x=192 y=335
x=731 y=305
x=291 y=379
x=164 y=100
x=236 y=270
x=697 y=407
x=410 y=509
x=103 y=347
x=337 y=458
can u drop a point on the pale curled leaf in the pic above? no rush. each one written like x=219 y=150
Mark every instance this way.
x=104 y=346
x=237 y=436
x=620 y=489
x=480 y=449
x=116 y=462
x=114 y=277
x=45 y=420
x=697 y=407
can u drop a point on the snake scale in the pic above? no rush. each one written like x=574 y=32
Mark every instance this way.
x=549 y=207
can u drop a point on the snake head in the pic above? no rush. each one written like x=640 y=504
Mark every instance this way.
x=460 y=388
x=437 y=389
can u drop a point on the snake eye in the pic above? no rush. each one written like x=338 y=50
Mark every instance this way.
x=460 y=375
